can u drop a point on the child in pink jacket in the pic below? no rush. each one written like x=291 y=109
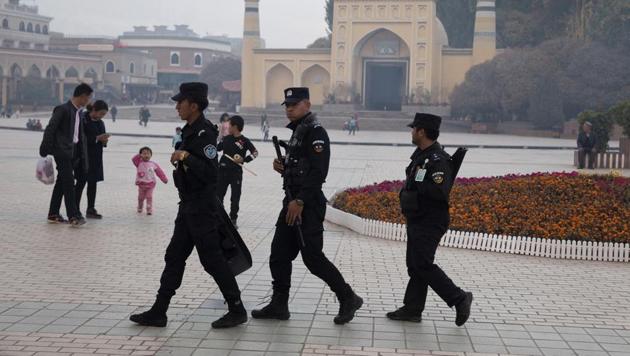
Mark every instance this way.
x=146 y=180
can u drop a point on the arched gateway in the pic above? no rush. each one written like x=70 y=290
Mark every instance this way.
x=384 y=55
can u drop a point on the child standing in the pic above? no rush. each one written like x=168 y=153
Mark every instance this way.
x=146 y=178
x=234 y=145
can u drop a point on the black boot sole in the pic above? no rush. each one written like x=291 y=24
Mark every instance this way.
x=413 y=319
x=354 y=310
x=283 y=317
x=141 y=321
x=232 y=323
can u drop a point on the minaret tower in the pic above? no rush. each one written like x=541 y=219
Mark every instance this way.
x=485 y=41
x=251 y=41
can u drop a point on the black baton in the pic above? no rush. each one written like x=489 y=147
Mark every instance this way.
x=287 y=191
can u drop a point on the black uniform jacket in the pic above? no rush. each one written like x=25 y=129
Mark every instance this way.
x=196 y=177
x=428 y=184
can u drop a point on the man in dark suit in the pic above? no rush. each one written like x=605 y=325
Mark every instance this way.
x=586 y=146
x=64 y=138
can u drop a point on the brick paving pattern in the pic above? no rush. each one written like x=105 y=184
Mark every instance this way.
x=70 y=291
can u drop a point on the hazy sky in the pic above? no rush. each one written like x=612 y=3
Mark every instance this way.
x=284 y=23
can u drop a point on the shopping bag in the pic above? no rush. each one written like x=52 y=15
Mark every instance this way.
x=45 y=172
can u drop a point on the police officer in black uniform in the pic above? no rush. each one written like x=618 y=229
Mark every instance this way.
x=304 y=170
x=424 y=201
x=196 y=223
x=236 y=146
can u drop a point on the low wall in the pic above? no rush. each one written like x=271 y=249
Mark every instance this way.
x=560 y=249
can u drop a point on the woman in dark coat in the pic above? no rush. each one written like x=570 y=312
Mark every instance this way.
x=96 y=139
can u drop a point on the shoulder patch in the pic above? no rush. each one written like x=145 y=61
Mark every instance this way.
x=210 y=151
x=438 y=177
x=318 y=146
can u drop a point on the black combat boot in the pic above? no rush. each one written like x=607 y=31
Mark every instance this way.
x=156 y=316
x=278 y=308
x=236 y=315
x=463 y=309
x=348 y=305
x=406 y=314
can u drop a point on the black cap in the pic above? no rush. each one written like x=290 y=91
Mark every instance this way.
x=295 y=95
x=191 y=91
x=426 y=121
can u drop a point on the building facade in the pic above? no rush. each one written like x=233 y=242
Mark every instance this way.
x=384 y=54
x=181 y=53
x=128 y=74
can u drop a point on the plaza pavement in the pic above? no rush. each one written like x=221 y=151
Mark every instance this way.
x=70 y=291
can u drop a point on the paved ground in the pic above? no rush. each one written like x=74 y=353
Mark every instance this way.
x=70 y=291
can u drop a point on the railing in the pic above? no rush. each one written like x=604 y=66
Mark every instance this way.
x=606 y=160
x=520 y=245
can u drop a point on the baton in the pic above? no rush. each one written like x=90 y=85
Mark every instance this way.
x=240 y=164
x=287 y=192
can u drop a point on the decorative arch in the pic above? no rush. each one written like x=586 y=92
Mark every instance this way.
x=359 y=44
x=198 y=60
x=72 y=73
x=175 y=59
x=381 y=68
x=110 y=67
x=38 y=29
x=317 y=79
x=16 y=71
x=5 y=24
x=34 y=72
x=91 y=73
x=132 y=67
x=45 y=29
x=22 y=26
x=29 y=27
x=279 y=77
x=53 y=73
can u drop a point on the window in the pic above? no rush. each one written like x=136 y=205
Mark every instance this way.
x=5 y=24
x=174 y=58
x=22 y=27
x=45 y=30
x=29 y=28
x=132 y=67
x=198 y=60
x=152 y=70
x=38 y=29
x=109 y=67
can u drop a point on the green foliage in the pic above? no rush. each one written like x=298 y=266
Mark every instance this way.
x=322 y=42
x=220 y=70
x=458 y=18
x=545 y=107
x=602 y=126
x=620 y=113
x=582 y=76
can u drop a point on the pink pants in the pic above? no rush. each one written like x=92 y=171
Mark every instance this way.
x=145 y=192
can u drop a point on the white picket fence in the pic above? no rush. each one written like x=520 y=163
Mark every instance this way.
x=520 y=245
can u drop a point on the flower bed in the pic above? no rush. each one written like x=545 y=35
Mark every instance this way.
x=565 y=206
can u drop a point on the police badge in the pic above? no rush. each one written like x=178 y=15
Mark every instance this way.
x=210 y=151
x=438 y=177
